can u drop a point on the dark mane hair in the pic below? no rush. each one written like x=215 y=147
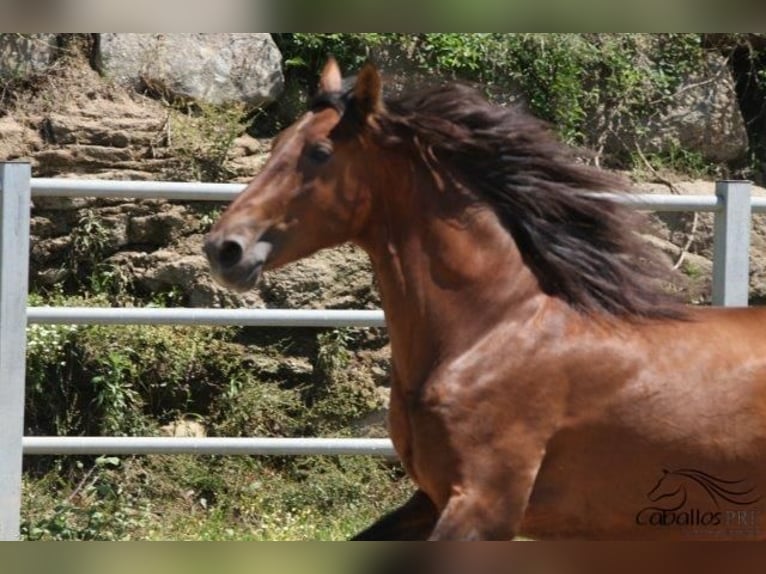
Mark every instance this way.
x=583 y=249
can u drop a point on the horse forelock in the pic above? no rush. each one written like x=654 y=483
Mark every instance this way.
x=335 y=100
x=340 y=100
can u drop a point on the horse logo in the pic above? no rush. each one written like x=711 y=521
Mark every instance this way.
x=675 y=488
x=673 y=485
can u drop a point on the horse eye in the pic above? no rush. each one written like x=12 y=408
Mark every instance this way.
x=320 y=152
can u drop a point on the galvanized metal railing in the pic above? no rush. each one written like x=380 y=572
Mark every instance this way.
x=243 y=317
x=732 y=205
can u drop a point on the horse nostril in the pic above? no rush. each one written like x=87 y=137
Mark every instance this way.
x=230 y=253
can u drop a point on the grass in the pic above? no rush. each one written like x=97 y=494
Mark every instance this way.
x=183 y=497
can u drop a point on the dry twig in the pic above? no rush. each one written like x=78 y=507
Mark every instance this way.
x=673 y=189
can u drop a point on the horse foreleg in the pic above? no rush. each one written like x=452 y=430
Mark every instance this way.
x=489 y=505
x=413 y=521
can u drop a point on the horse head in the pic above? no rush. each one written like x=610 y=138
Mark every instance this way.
x=313 y=191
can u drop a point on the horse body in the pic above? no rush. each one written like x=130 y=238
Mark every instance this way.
x=524 y=398
x=694 y=397
x=594 y=408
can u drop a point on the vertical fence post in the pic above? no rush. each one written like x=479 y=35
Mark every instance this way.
x=731 y=244
x=14 y=264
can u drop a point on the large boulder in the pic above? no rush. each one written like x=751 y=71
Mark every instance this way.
x=701 y=115
x=704 y=115
x=212 y=68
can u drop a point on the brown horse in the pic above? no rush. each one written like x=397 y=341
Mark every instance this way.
x=542 y=380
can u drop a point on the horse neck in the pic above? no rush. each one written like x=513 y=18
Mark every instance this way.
x=447 y=270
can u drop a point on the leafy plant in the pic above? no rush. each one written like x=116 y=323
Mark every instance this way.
x=90 y=238
x=333 y=355
x=115 y=395
x=92 y=242
x=676 y=159
x=48 y=363
x=201 y=139
x=308 y=52
x=341 y=393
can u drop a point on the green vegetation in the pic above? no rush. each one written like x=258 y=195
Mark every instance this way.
x=87 y=267
x=591 y=87
x=135 y=380
x=674 y=160
x=201 y=136
x=563 y=77
x=183 y=497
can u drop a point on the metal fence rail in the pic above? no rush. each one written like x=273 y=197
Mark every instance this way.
x=732 y=205
x=215 y=445
x=186 y=316
x=173 y=190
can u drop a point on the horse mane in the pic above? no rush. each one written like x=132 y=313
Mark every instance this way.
x=582 y=248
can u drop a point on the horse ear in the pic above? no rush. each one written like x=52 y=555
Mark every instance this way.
x=330 y=80
x=367 y=90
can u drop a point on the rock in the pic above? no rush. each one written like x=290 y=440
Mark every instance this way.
x=333 y=278
x=212 y=68
x=82 y=158
x=24 y=54
x=16 y=139
x=184 y=428
x=245 y=168
x=339 y=278
x=246 y=145
x=67 y=129
x=52 y=276
x=372 y=425
x=65 y=204
x=113 y=230
x=184 y=269
x=98 y=134
x=703 y=116
x=157 y=229
x=270 y=367
x=247 y=157
x=47 y=255
x=697 y=280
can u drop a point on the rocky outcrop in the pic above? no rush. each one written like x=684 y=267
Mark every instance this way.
x=212 y=68
x=92 y=129
x=701 y=114
x=216 y=69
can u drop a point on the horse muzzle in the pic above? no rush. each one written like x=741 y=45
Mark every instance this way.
x=236 y=261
